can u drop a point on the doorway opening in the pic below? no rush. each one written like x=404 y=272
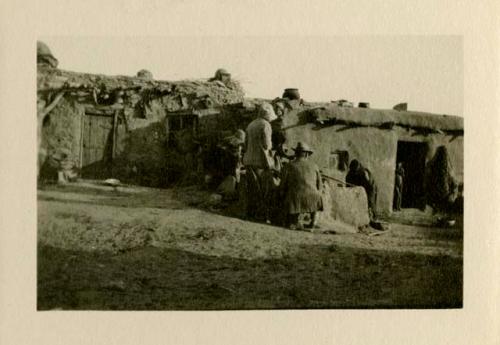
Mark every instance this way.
x=411 y=156
x=97 y=146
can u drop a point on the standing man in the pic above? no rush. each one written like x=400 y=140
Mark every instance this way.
x=301 y=187
x=259 y=161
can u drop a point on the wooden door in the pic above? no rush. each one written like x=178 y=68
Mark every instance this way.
x=97 y=146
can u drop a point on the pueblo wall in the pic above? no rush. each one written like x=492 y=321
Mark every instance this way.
x=142 y=152
x=375 y=148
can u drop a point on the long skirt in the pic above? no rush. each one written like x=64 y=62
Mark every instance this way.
x=261 y=188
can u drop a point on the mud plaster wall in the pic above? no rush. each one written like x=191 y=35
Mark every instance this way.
x=142 y=154
x=374 y=148
x=62 y=129
x=141 y=146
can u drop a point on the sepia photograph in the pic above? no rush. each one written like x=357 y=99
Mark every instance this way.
x=249 y=173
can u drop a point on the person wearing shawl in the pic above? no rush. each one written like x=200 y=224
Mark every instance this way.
x=301 y=188
x=259 y=162
x=441 y=186
x=358 y=175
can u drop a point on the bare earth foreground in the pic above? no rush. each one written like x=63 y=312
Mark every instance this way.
x=136 y=248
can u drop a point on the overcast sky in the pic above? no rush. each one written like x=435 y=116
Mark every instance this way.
x=425 y=71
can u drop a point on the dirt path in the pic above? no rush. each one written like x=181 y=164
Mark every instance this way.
x=97 y=244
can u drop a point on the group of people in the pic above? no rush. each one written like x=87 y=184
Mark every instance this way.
x=277 y=192
x=280 y=187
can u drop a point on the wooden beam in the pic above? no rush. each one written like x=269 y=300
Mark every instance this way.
x=82 y=133
x=115 y=123
x=52 y=105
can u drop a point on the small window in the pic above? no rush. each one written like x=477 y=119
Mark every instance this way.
x=339 y=160
x=175 y=123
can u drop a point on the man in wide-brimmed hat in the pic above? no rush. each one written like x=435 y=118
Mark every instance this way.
x=258 y=160
x=301 y=187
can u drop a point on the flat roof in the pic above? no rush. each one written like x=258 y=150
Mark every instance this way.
x=330 y=112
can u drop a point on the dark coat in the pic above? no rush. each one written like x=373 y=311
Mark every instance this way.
x=363 y=177
x=301 y=187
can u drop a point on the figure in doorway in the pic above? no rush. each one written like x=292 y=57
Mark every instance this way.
x=398 y=187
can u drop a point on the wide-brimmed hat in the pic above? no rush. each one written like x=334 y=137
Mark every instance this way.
x=302 y=147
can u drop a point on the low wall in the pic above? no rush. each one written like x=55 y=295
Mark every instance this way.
x=346 y=205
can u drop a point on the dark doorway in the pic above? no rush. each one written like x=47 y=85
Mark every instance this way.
x=412 y=156
x=180 y=123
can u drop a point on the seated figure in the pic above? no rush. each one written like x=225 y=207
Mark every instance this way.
x=358 y=175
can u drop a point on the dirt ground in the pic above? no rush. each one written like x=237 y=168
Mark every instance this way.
x=134 y=248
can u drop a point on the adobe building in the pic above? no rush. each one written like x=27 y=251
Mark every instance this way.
x=379 y=139
x=128 y=127
x=150 y=132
